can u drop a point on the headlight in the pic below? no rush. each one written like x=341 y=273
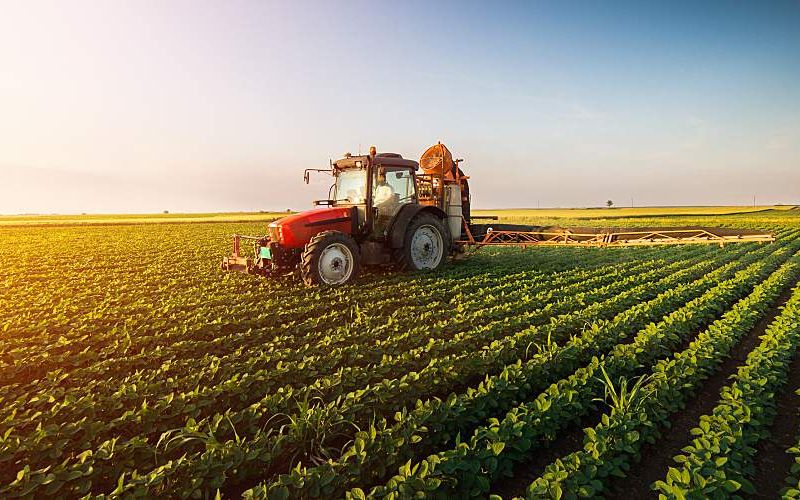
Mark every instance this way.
x=275 y=232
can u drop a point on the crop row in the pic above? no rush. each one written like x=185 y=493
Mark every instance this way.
x=792 y=489
x=719 y=460
x=614 y=443
x=493 y=449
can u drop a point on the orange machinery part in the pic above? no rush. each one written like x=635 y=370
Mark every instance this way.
x=439 y=168
x=437 y=160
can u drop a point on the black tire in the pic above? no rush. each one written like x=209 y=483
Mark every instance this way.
x=333 y=241
x=403 y=256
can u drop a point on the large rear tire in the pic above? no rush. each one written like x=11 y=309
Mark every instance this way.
x=331 y=258
x=426 y=244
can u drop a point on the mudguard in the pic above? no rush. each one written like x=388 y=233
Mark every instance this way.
x=397 y=231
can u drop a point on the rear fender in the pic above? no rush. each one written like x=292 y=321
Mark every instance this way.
x=397 y=230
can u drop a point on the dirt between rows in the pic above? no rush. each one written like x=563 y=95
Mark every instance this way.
x=657 y=458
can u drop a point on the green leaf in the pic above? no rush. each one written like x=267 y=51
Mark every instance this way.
x=674 y=476
x=497 y=447
x=281 y=493
x=358 y=494
x=730 y=485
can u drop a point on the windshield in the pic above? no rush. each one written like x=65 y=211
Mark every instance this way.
x=351 y=186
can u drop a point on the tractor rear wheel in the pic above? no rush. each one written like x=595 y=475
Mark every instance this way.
x=330 y=258
x=426 y=244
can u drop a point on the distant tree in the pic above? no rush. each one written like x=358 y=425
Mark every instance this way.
x=288 y=210
x=166 y=211
x=609 y=203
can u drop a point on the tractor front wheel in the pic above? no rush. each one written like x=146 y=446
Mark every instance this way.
x=330 y=258
x=426 y=244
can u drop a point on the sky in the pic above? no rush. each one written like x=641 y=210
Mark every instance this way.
x=196 y=106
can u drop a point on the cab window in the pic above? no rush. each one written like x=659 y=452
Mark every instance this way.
x=392 y=188
x=393 y=185
x=351 y=186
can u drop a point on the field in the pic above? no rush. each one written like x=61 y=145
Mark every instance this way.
x=132 y=366
x=505 y=214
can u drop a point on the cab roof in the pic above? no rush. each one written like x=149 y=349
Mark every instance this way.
x=387 y=159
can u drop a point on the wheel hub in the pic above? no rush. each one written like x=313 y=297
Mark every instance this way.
x=335 y=264
x=427 y=247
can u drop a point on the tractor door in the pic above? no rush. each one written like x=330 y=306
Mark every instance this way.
x=393 y=187
x=350 y=189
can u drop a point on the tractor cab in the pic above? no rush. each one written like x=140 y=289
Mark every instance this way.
x=377 y=186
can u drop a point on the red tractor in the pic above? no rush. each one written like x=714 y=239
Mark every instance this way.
x=380 y=211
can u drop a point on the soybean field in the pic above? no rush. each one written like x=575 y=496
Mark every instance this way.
x=132 y=366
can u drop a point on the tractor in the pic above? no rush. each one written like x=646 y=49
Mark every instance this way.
x=380 y=211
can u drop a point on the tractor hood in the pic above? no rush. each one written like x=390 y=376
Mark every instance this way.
x=295 y=230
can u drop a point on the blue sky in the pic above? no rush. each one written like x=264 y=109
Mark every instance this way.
x=216 y=106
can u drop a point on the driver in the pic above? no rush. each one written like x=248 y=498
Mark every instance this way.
x=383 y=191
